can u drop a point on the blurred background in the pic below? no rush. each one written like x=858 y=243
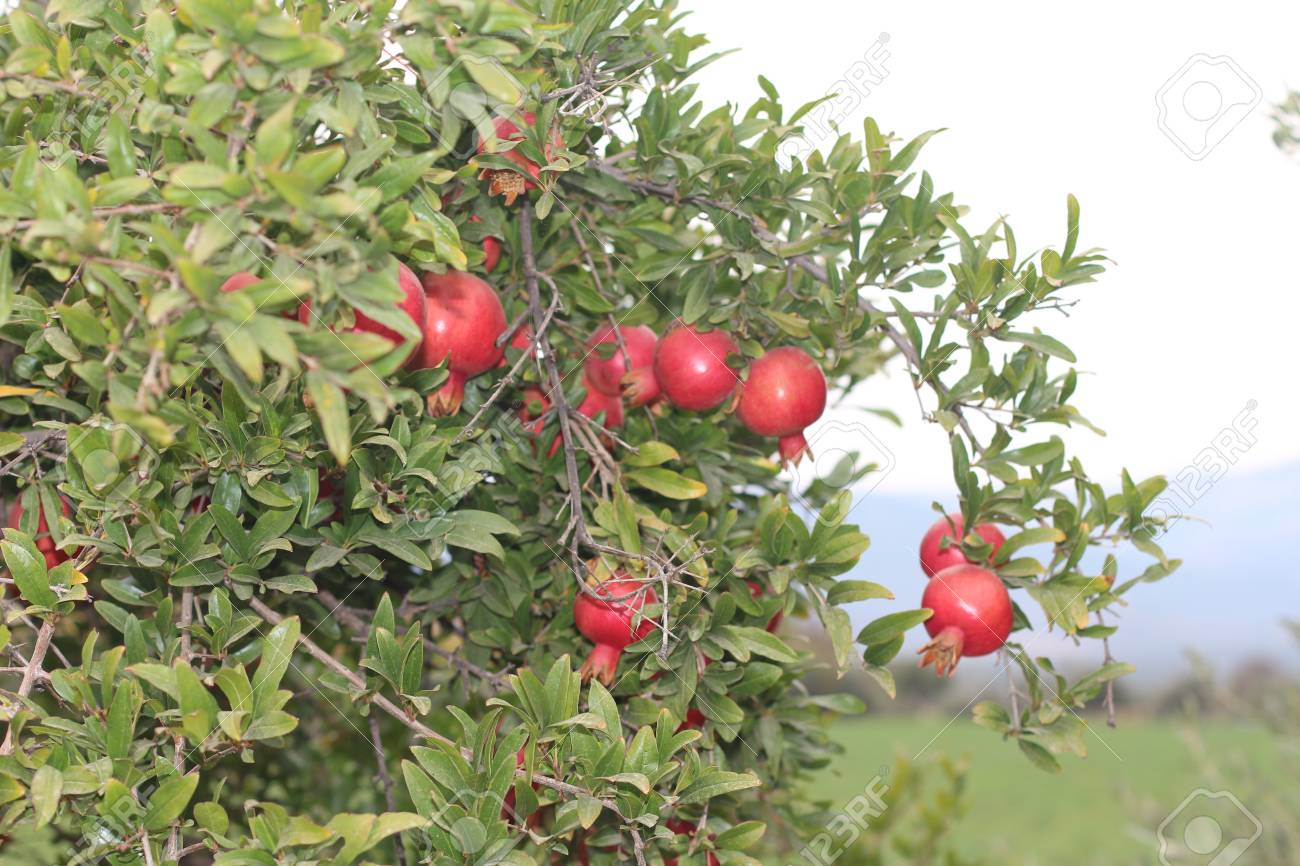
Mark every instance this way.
x=1159 y=118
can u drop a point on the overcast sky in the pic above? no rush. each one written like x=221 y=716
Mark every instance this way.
x=1196 y=317
x=1194 y=322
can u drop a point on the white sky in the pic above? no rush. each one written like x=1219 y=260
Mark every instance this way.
x=1197 y=315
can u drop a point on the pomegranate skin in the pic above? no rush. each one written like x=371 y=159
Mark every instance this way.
x=935 y=557
x=691 y=368
x=756 y=591
x=413 y=304
x=784 y=394
x=239 y=280
x=509 y=184
x=491 y=248
x=606 y=621
x=607 y=375
x=44 y=542
x=972 y=616
x=463 y=321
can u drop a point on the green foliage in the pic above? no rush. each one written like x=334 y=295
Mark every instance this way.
x=286 y=571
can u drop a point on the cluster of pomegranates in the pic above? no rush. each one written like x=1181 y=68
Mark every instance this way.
x=971 y=608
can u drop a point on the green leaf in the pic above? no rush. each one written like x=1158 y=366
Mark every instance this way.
x=274 y=138
x=47 y=788
x=332 y=409
x=28 y=572
x=667 y=483
x=1041 y=342
x=892 y=625
x=846 y=591
x=170 y=800
x=277 y=652
x=715 y=783
x=1039 y=756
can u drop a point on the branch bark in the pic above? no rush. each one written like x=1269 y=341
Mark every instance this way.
x=34 y=670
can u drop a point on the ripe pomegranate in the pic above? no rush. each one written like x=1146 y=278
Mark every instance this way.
x=464 y=320
x=941 y=545
x=44 y=542
x=756 y=590
x=686 y=828
x=614 y=376
x=784 y=394
x=691 y=368
x=606 y=621
x=239 y=280
x=512 y=184
x=413 y=304
x=491 y=248
x=972 y=616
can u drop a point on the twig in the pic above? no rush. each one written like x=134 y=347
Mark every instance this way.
x=116 y=210
x=555 y=395
x=30 y=674
x=509 y=377
x=386 y=780
x=638 y=846
x=357 y=681
x=352 y=621
x=178 y=742
x=1110 y=684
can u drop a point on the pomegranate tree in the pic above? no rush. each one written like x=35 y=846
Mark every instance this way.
x=378 y=603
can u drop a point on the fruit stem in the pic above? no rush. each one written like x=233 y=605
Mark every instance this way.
x=602 y=663
x=793 y=449
x=447 y=399
x=944 y=651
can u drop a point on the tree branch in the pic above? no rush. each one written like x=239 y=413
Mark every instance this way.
x=378 y=699
x=31 y=673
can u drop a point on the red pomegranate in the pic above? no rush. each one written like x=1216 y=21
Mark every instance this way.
x=686 y=828
x=784 y=394
x=44 y=542
x=491 y=248
x=606 y=621
x=941 y=545
x=633 y=378
x=239 y=280
x=691 y=368
x=972 y=616
x=756 y=590
x=512 y=184
x=464 y=320
x=596 y=401
x=413 y=304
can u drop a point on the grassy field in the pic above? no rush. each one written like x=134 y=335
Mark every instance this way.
x=1100 y=810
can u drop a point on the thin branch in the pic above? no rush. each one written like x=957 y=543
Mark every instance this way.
x=379 y=700
x=31 y=673
x=116 y=210
x=386 y=780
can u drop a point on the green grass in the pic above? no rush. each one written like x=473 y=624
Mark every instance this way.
x=1102 y=809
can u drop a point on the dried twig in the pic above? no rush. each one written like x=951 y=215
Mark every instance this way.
x=31 y=674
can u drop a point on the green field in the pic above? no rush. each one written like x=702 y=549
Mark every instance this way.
x=1102 y=809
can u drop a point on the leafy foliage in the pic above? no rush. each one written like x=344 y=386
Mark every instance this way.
x=285 y=571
